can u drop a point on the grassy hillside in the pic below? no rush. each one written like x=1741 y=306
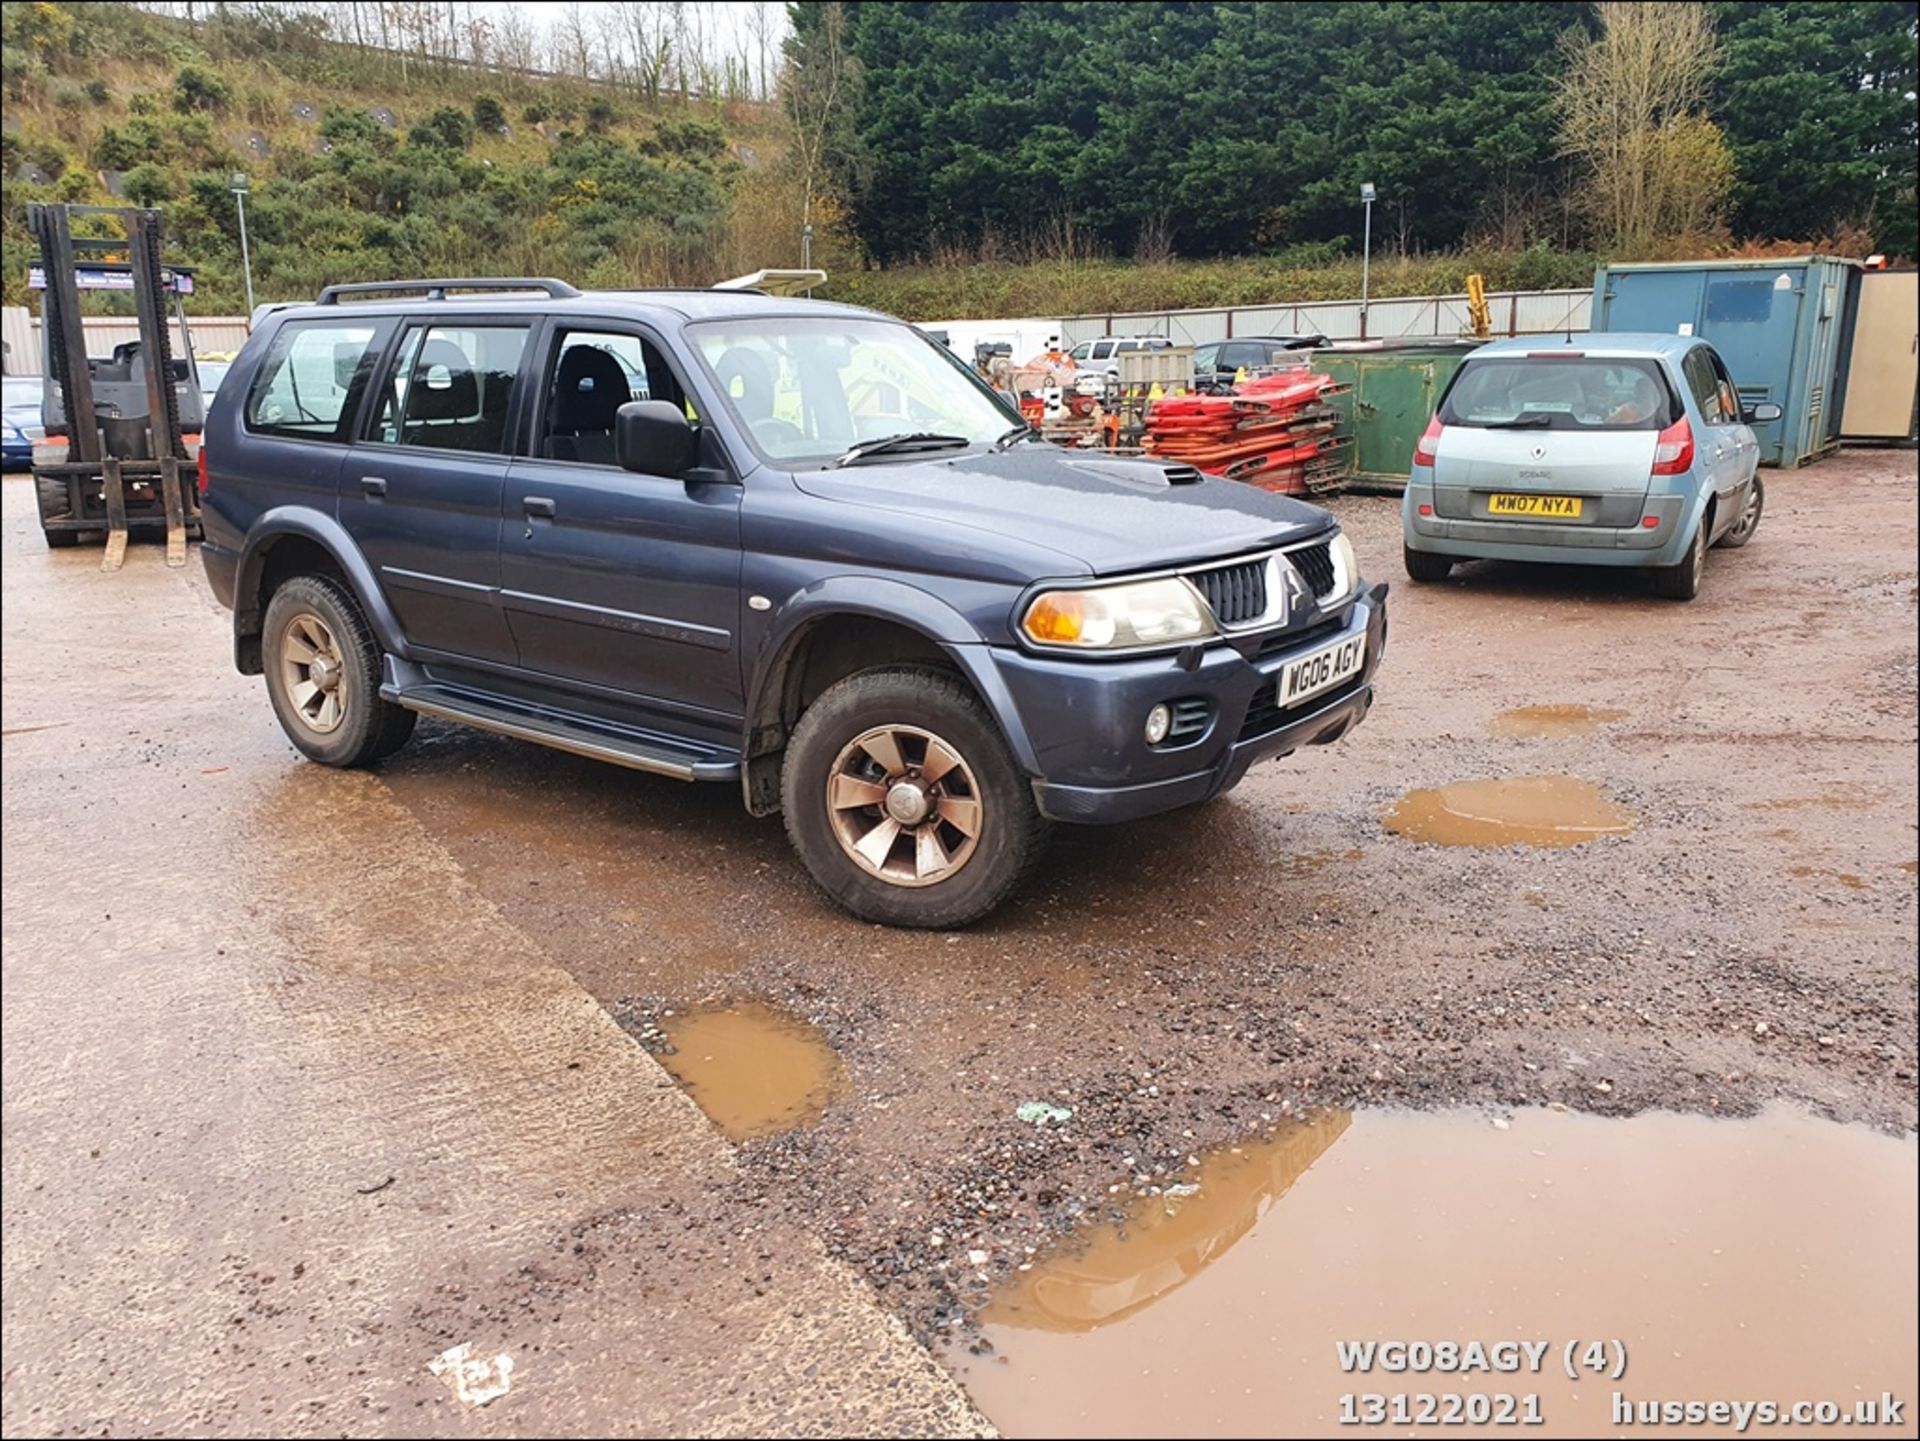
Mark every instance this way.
x=472 y=175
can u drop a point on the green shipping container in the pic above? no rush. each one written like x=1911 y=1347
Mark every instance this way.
x=1393 y=390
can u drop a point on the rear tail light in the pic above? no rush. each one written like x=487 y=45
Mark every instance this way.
x=1429 y=438
x=203 y=468
x=1673 y=450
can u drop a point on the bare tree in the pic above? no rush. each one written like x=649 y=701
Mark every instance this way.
x=1631 y=114
x=820 y=84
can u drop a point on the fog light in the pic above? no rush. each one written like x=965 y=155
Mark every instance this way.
x=1159 y=721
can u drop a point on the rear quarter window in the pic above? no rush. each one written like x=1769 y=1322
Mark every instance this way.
x=1590 y=393
x=310 y=370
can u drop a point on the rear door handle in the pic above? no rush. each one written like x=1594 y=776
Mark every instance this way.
x=373 y=485
x=537 y=505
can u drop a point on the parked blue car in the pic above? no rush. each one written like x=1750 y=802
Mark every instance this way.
x=1619 y=450
x=785 y=545
x=20 y=421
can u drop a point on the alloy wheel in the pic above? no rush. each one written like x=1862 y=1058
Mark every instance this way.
x=904 y=805
x=313 y=673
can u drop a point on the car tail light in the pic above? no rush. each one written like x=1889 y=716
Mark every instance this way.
x=1673 y=451
x=1429 y=438
x=203 y=467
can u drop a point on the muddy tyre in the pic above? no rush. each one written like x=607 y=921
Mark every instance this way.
x=1741 y=531
x=323 y=675
x=1682 y=581
x=1424 y=566
x=904 y=803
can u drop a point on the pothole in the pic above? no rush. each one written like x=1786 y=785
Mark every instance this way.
x=1549 y=810
x=755 y=1071
x=1731 y=1258
x=1548 y=722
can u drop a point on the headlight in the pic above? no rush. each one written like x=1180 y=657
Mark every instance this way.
x=1346 y=569
x=1118 y=617
x=34 y=433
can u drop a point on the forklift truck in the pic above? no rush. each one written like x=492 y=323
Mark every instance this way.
x=127 y=418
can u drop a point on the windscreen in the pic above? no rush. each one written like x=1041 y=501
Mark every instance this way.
x=1585 y=393
x=807 y=389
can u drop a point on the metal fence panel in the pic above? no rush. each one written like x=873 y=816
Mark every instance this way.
x=1540 y=312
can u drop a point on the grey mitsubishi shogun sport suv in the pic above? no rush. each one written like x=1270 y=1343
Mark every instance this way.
x=796 y=546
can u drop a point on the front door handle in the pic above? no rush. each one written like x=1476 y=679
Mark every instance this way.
x=537 y=505
x=373 y=485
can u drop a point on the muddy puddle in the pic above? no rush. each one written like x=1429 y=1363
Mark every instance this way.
x=1514 y=811
x=754 y=1070
x=1550 y=722
x=1766 y=1259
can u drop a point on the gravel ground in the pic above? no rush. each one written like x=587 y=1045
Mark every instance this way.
x=1180 y=982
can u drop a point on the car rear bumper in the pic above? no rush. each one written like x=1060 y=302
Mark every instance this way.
x=1555 y=542
x=1085 y=719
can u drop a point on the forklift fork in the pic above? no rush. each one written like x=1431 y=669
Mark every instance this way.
x=176 y=512
x=116 y=497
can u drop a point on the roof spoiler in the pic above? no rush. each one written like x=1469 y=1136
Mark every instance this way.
x=776 y=282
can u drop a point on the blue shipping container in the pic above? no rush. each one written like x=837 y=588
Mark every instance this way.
x=1780 y=325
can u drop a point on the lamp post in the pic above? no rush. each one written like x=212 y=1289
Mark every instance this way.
x=237 y=183
x=1366 y=251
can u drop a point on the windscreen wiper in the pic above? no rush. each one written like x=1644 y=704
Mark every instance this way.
x=1018 y=433
x=1521 y=422
x=912 y=440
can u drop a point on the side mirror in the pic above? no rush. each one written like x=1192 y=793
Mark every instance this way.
x=1760 y=414
x=652 y=437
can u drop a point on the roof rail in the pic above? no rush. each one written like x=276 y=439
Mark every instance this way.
x=437 y=289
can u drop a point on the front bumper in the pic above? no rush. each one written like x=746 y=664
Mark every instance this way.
x=1084 y=718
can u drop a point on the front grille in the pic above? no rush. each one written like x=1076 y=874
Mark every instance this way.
x=1190 y=717
x=1237 y=594
x=1299 y=639
x=1315 y=564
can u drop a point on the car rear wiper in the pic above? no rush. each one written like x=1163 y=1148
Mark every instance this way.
x=912 y=440
x=1018 y=433
x=1521 y=422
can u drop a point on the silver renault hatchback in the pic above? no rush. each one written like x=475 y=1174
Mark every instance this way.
x=1620 y=450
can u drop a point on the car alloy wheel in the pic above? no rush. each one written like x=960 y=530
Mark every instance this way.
x=904 y=805
x=314 y=673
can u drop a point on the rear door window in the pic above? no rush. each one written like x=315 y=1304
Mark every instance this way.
x=450 y=387
x=310 y=371
x=1578 y=393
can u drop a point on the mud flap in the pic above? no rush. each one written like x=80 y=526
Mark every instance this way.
x=116 y=497
x=176 y=512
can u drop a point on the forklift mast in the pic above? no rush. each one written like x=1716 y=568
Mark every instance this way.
x=120 y=441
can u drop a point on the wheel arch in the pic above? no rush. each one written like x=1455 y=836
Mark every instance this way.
x=296 y=540
x=836 y=629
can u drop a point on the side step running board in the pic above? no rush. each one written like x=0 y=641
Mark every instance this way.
x=582 y=735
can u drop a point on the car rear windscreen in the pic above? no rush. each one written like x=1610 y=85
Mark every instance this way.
x=1548 y=393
